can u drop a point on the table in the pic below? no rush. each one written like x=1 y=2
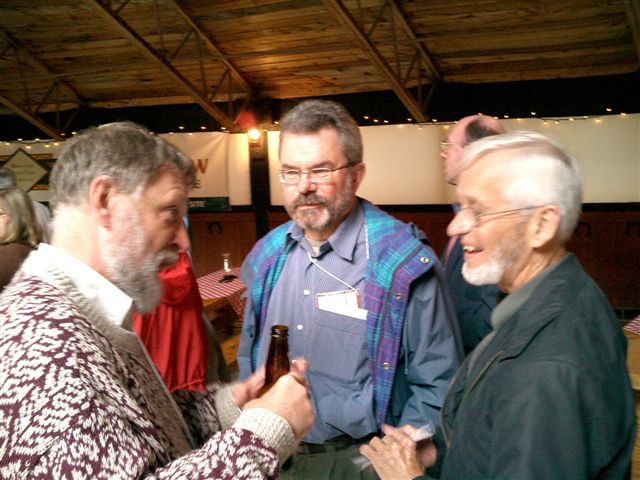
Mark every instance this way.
x=218 y=296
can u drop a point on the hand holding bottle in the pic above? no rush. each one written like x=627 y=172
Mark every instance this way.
x=289 y=398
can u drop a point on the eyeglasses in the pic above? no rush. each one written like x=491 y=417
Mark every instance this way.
x=479 y=216
x=447 y=145
x=316 y=175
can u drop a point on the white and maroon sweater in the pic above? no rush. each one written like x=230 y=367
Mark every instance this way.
x=79 y=399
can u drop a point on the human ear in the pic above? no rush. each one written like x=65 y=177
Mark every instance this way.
x=544 y=225
x=358 y=175
x=101 y=192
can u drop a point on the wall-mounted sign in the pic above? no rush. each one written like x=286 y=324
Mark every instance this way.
x=27 y=170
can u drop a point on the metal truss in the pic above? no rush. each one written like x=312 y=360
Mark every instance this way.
x=40 y=86
x=207 y=51
x=419 y=73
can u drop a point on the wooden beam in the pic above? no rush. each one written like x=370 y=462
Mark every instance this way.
x=40 y=67
x=239 y=77
x=633 y=14
x=31 y=118
x=339 y=11
x=148 y=51
x=434 y=74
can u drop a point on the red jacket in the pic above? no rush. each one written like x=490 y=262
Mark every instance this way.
x=174 y=333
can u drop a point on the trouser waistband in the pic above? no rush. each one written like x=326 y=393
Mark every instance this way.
x=333 y=444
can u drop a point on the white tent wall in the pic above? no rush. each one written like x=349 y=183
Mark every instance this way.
x=403 y=163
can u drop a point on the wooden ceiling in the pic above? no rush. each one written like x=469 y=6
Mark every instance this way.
x=58 y=56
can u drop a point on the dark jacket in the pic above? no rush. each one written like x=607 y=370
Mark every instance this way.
x=473 y=303
x=549 y=397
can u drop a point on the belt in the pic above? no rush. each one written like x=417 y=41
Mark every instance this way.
x=333 y=444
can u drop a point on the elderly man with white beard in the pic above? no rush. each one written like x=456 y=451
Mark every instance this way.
x=546 y=394
x=79 y=396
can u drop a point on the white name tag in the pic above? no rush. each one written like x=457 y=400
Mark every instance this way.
x=343 y=302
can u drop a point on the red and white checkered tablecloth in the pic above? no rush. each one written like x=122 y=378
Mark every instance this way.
x=210 y=287
x=634 y=325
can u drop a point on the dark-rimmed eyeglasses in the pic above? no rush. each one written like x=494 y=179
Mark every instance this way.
x=291 y=176
x=478 y=217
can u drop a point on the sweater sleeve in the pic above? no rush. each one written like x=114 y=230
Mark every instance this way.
x=101 y=445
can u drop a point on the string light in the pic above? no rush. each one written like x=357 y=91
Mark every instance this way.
x=47 y=143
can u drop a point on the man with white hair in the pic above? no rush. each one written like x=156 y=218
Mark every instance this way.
x=547 y=393
x=79 y=396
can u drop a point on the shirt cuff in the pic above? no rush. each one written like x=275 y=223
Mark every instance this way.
x=274 y=430
x=228 y=411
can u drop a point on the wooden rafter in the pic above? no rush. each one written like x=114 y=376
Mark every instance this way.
x=25 y=109
x=434 y=74
x=111 y=17
x=633 y=14
x=237 y=75
x=31 y=117
x=337 y=8
x=40 y=67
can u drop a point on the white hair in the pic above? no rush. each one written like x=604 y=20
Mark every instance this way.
x=540 y=172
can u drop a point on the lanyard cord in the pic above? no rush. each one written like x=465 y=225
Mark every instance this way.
x=315 y=262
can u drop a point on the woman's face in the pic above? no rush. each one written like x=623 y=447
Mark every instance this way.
x=6 y=223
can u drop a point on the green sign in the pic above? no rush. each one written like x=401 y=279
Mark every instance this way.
x=209 y=204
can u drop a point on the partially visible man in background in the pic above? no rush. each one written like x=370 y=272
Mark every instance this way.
x=473 y=303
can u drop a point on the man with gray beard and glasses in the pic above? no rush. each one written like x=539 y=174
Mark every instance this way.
x=362 y=293
x=546 y=394
x=79 y=395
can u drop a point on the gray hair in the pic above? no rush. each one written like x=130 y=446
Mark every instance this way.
x=311 y=116
x=126 y=152
x=541 y=172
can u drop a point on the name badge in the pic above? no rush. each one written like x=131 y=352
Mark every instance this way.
x=343 y=302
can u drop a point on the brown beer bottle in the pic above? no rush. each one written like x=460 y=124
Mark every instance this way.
x=278 y=357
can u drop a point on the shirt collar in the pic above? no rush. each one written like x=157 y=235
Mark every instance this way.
x=512 y=303
x=344 y=240
x=112 y=302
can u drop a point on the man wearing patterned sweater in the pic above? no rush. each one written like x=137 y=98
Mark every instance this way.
x=79 y=396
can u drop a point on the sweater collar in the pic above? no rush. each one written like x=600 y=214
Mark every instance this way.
x=111 y=302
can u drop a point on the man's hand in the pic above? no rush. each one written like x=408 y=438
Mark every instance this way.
x=248 y=389
x=394 y=457
x=289 y=398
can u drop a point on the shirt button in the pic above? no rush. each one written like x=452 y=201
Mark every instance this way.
x=306 y=292
x=298 y=327
x=424 y=259
x=386 y=366
x=398 y=295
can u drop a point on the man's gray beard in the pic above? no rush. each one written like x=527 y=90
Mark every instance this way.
x=324 y=218
x=129 y=268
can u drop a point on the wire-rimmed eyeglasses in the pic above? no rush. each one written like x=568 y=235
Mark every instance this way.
x=444 y=145
x=291 y=176
x=479 y=216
